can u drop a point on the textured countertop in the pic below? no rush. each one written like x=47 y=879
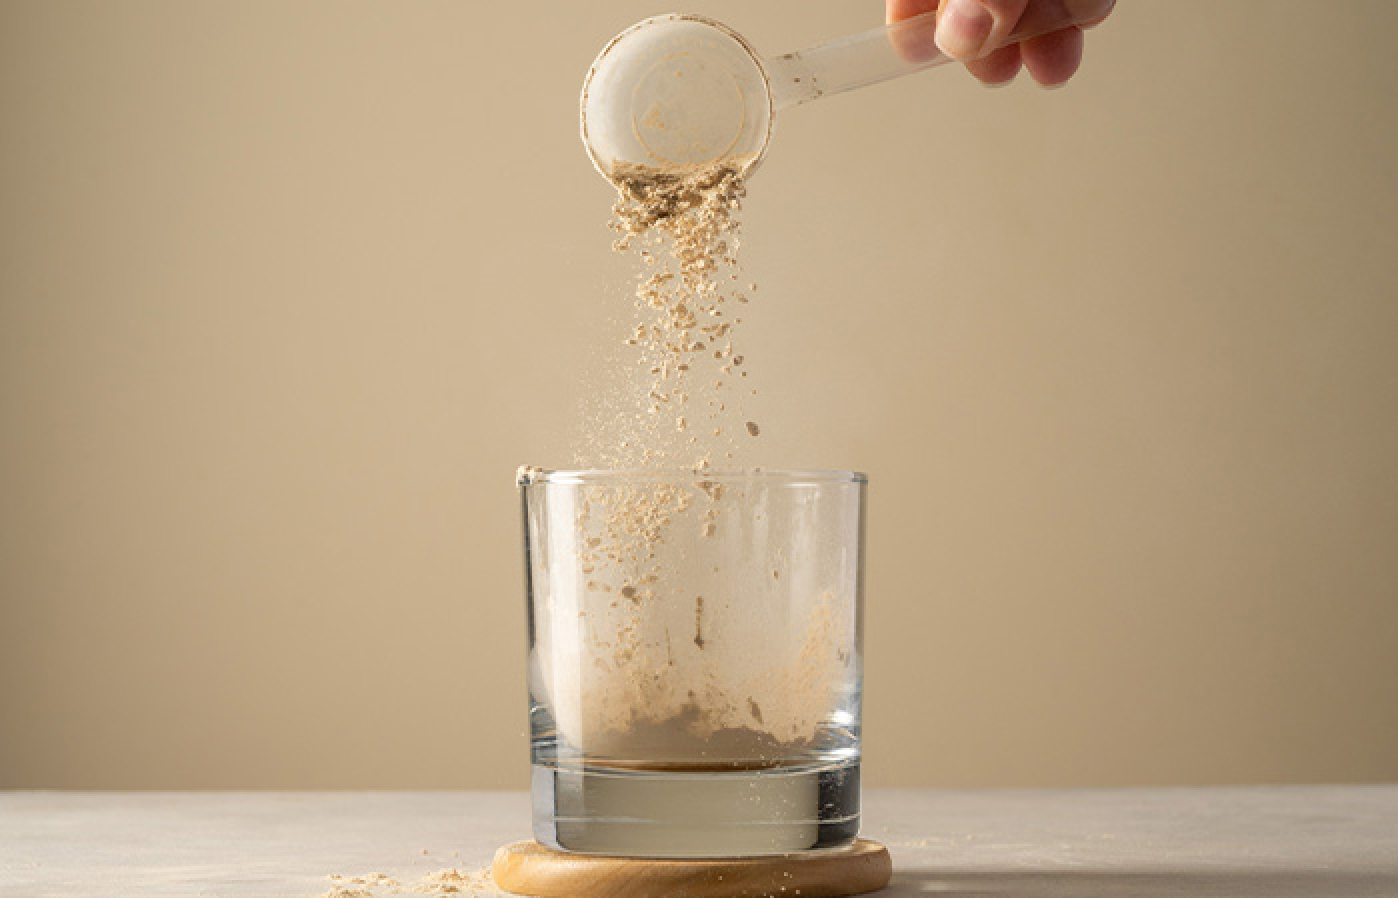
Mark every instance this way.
x=1333 y=841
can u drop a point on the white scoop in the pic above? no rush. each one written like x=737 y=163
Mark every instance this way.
x=682 y=91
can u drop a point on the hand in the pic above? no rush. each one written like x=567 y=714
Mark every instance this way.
x=967 y=28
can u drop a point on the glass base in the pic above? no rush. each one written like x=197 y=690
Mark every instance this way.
x=693 y=812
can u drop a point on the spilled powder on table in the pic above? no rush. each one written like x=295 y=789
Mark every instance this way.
x=443 y=883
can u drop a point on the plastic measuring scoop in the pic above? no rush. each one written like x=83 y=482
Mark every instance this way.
x=676 y=92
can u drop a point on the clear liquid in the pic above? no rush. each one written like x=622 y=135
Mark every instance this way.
x=691 y=811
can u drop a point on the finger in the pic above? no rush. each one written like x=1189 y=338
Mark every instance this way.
x=1093 y=12
x=1053 y=58
x=898 y=10
x=998 y=68
x=1093 y=23
x=1045 y=16
x=969 y=29
x=912 y=42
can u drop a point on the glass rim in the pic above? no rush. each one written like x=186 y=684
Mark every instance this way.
x=528 y=475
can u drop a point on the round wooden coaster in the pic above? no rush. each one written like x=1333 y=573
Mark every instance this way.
x=528 y=868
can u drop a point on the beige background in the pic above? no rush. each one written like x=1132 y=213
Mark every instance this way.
x=287 y=290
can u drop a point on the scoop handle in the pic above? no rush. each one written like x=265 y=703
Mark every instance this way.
x=899 y=49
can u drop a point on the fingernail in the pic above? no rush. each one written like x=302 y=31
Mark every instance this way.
x=964 y=28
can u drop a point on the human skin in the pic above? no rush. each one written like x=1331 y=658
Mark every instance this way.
x=966 y=28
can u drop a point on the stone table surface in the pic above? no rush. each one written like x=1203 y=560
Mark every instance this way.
x=1333 y=841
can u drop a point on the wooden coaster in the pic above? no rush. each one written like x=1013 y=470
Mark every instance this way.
x=528 y=868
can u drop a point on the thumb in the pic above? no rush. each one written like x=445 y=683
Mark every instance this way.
x=969 y=29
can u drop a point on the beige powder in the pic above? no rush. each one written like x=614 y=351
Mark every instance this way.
x=443 y=883
x=651 y=686
x=682 y=225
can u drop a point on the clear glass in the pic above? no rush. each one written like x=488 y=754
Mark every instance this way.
x=694 y=660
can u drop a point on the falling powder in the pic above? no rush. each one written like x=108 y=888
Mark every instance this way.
x=640 y=685
x=681 y=348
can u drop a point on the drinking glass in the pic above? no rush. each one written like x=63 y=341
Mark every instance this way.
x=694 y=659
